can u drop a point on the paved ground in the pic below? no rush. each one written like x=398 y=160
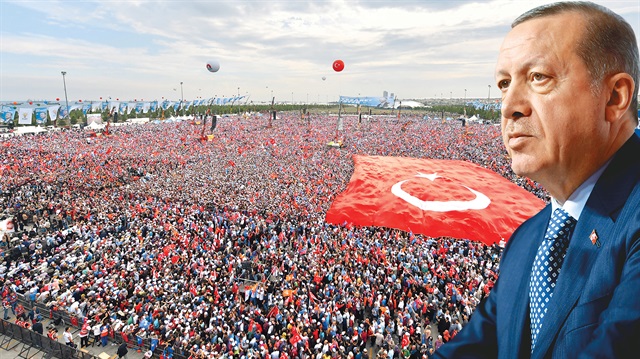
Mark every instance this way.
x=98 y=351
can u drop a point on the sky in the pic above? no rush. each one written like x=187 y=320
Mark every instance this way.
x=153 y=50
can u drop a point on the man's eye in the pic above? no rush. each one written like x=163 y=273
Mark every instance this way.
x=538 y=76
x=503 y=84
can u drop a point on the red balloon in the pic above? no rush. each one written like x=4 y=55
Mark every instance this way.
x=101 y=97
x=79 y=100
x=117 y=99
x=57 y=98
x=338 y=65
x=15 y=103
x=30 y=103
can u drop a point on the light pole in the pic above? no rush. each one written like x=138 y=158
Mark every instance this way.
x=464 y=105
x=489 y=97
x=181 y=98
x=66 y=100
x=292 y=98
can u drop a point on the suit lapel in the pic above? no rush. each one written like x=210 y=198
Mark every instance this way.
x=600 y=212
x=574 y=273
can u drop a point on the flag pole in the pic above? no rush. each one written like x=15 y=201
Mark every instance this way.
x=339 y=127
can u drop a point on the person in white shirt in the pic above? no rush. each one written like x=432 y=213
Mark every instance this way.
x=67 y=336
x=96 y=334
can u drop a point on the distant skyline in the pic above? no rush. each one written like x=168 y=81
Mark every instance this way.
x=144 y=49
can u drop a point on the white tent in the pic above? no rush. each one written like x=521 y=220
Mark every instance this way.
x=29 y=129
x=95 y=126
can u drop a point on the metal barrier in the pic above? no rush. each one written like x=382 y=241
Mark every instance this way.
x=13 y=335
x=118 y=338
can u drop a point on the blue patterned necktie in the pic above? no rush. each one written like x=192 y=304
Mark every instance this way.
x=546 y=268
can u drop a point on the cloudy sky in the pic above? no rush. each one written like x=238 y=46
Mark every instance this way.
x=145 y=49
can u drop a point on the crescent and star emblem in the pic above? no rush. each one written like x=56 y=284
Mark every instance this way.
x=480 y=202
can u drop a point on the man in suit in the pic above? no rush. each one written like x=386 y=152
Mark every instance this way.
x=37 y=327
x=568 y=73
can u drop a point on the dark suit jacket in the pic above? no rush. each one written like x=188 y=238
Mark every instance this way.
x=37 y=327
x=595 y=308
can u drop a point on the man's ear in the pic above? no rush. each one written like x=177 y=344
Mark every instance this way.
x=621 y=86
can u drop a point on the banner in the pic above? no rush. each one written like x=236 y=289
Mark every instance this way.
x=25 y=115
x=139 y=107
x=8 y=114
x=386 y=102
x=153 y=106
x=64 y=112
x=53 y=112
x=41 y=115
x=437 y=198
x=85 y=108
x=96 y=106
x=114 y=107
x=492 y=105
x=123 y=107
x=225 y=100
x=145 y=107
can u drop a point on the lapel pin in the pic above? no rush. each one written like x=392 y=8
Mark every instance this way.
x=594 y=238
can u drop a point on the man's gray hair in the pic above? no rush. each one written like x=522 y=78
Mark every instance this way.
x=609 y=44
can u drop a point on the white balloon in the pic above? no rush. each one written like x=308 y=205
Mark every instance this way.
x=213 y=66
x=323 y=78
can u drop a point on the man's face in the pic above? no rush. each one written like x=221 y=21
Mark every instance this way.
x=550 y=118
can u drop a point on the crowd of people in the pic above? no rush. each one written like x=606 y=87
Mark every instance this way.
x=220 y=249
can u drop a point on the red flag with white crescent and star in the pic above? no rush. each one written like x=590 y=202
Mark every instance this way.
x=295 y=336
x=437 y=198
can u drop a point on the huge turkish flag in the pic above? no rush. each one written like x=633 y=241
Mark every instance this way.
x=437 y=198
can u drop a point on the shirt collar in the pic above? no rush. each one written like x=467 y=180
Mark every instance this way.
x=578 y=199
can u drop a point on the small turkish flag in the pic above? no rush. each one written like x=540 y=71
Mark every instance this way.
x=594 y=238
x=405 y=341
x=437 y=198
x=295 y=336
